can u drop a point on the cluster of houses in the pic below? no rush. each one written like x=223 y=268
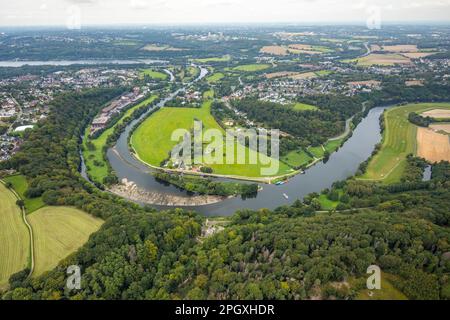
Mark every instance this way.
x=8 y=108
x=8 y=146
x=28 y=102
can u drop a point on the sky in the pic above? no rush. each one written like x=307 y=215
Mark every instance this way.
x=73 y=13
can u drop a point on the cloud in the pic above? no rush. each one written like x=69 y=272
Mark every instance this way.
x=217 y=11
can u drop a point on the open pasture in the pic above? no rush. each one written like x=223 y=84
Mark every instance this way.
x=216 y=77
x=251 y=67
x=58 y=232
x=381 y=60
x=224 y=58
x=14 y=237
x=304 y=107
x=154 y=74
x=20 y=185
x=152 y=140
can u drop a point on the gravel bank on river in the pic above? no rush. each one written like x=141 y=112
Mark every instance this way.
x=130 y=190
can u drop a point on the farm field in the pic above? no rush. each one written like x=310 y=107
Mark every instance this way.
x=14 y=237
x=154 y=74
x=156 y=47
x=20 y=185
x=417 y=55
x=433 y=146
x=152 y=140
x=280 y=74
x=304 y=75
x=216 y=77
x=275 y=50
x=58 y=232
x=437 y=114
x=444 y=128
x=401 y=48
x=380 y=59
x=297 y=75
x=251 y=67
x=224 y=58
x=294 y=49
x=93 y=157
x=399 y=140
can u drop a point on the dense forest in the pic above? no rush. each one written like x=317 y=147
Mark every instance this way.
x=291 y=253
x=311 y=127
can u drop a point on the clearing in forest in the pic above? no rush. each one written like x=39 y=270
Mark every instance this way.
x=14 y=237
x=58 y=232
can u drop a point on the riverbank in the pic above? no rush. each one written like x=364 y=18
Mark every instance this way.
x=129 y=190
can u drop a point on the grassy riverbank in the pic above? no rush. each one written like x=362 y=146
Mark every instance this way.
x=399 y=140
x=97 y=166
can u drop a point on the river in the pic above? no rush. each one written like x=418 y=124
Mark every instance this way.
x=342 y=164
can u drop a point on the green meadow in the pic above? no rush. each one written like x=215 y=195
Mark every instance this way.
x=20 y=185
x=216 y=77
x=154 y=74
x=297 y=158
x=152 y=140
x=251 y=67
x=224 y=58
x=304 y=107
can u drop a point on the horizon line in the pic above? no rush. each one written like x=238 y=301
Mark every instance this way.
x=255 y=23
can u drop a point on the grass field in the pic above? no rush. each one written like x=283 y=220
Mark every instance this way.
x=297 y=158
x=326 y=203
x=387 y=291
x=91 y=157
x=304 y=107
x=224 y=58
x=399 y=140
x=251 y=67
x=58 y=232
x=216 y=77
x=380 y=59
x=193 y=72
x=14 y=237
x=154 y=74
x=330 y=146
x=152 y=140
x=20 y=184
